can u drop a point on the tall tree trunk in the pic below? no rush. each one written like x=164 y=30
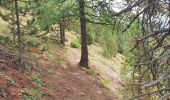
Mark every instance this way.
x=62 y=31
x=21 y=49
x=84 y=48
x=169 y=33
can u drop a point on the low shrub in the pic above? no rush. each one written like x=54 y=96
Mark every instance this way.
x=75 y=43
x=4 y=39
x=33 y=31
x=45 y=47
x=105 y=83
x=32 y=43
x=91 y=38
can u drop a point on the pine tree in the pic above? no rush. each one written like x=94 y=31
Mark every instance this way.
x=20 y=44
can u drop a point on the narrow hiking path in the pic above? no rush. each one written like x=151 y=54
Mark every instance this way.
x=71 y=82
x=108 y=69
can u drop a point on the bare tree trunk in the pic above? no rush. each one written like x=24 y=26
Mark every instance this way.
x=21 y=49
x=62 y=31
x=84 y=48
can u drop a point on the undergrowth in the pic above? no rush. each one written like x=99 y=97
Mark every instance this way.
x=105 y=83
x=75 y=43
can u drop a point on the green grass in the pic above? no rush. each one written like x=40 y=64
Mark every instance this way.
x=57 y=60
x=10 y=81
x=32 y=94
x=92 y=72
x=37 y=80
x=33 y=41
x=75 y=43
x=105 y=83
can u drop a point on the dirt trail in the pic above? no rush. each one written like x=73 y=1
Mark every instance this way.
x=74 y=84
x=71 y=82
x=109 y=69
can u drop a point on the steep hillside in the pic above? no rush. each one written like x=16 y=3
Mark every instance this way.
x=55 y=74
x=52 y=71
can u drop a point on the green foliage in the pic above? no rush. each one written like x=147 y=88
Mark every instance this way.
x=105 y=83
x=32 y=94
x=128 y=65
x=10 y=81
x=34 y=31
x=92 y=72
x=12 y=48
x=91 y=37
x=75 y=43
x=37 y=79
x=4 y=39
x=105 y=36
x=74 y=26
x=108 y=42
x=126 y=39
x=45 y=38
x=4 y=30
x=33 y=41
x=48 y=16
x=45 y=47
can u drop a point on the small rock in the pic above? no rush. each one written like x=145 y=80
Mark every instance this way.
x=68 y=89
x=99 y=92
x=82 y=94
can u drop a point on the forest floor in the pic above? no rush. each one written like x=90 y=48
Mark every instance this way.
x=70 y=82
x=48 y=81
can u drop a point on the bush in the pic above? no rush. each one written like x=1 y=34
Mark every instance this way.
x=45 y=47
x=33 y=31
x=32 y=43
x=45 y=38
x=105 y=83
x=4 y=40
x=109 y=45
x=75 y=44
x=90 y=37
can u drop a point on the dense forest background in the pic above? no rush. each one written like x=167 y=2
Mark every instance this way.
x=138 y=30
